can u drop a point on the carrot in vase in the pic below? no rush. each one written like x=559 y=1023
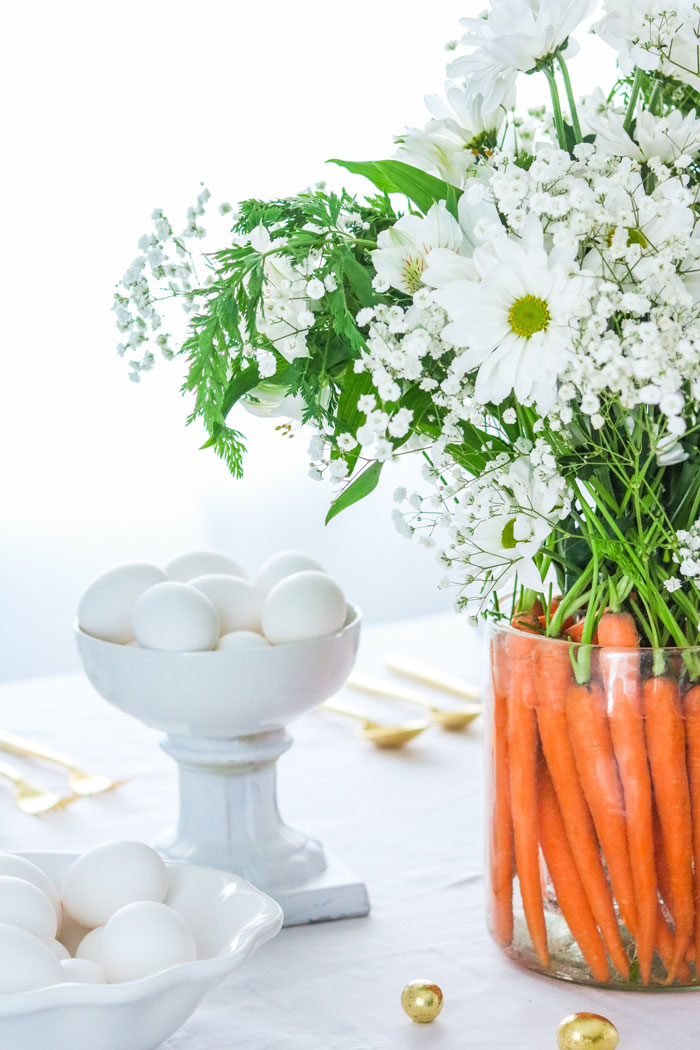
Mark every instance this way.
x=523 y=748
x=665 y=736
x=589 y=732
x=553 y=679
x=691 y=710
x=623 y=693
x=501 y=832
x=664 y=933
x=568 y=886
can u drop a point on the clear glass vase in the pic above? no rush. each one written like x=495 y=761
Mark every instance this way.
x=593 y=810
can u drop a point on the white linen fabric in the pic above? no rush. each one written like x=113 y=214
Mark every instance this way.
x=409 y=823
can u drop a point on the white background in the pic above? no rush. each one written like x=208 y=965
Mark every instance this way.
x=110 y=110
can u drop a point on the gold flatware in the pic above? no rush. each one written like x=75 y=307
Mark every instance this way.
x=388 y=737
x=454 y=719
x=81 y=782
x=427 y=675
x=30 y=799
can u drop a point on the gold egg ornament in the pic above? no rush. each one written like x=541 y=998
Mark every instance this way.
x=587 y=1032
x=422 y=1001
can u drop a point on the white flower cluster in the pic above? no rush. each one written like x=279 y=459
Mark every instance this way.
x=163 y=269
x=590 y=290
x=487 y=530
x=290 y=290
x=687 y=556
x=654 y=35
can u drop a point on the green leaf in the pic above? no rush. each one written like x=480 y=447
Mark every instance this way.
x=363 y=484
x=359 y=278
x=393 y=176
x=239 y=385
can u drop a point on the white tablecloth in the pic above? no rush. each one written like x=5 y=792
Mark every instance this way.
x=409 y=823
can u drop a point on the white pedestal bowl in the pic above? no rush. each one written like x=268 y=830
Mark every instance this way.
x=225 y=715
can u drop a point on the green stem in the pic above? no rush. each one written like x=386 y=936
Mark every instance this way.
x=636 y=88
x=570 y=96
x=655 y=95
x=548 y=71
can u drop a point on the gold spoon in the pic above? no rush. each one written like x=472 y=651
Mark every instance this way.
x=454 y=719
x=427 y=675
x=387 y=737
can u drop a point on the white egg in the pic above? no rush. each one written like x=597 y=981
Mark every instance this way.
x=175 y=617
x=24 y=904
x=21 y=868
x=305 y=605
x=105 y=608
x=143 y=939
x=242 y=640
x=104 y=879
x=286 y=563
x=202 y=563
x=236 y=601
x=59 y=950
x=83 y=971
x=90 y=948
x=25 y=962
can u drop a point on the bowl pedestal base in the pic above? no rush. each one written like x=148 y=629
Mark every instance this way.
x=229 y=820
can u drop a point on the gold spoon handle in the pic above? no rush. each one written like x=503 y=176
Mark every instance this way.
x=347 y=709
x=18 y=746
x=10 y=773
x=420 y=672
x=375 y=687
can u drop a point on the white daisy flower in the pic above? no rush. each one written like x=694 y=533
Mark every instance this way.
x=666 y=137
x=402 y=251
x=516 y=35
x=514 y=321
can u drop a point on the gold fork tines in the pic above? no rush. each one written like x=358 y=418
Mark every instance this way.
x=81 y=782
x=30 y=799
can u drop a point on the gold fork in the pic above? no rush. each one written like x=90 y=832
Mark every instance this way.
x=30 y=799
x=81 y=782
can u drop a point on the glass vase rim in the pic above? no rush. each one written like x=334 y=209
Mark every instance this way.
x=506 y=628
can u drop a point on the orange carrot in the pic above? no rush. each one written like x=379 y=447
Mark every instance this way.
x=568 y=887
x=691 y=710
x=595 y=760
x=523 y=746
x=623 y=695
x=665 y=736
x=553 y=679
x=575 y=632
x=501 y=832
x=664 y=946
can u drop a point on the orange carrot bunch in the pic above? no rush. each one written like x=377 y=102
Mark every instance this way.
x=595 y=781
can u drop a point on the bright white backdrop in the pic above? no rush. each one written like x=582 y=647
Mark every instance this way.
x=111 y=110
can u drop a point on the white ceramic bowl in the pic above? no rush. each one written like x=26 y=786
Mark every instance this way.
x=222 y=693
x=229 y=919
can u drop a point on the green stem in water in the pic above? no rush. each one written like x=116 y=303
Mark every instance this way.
x=570 y=96
x=636 y=88
x=548 y=71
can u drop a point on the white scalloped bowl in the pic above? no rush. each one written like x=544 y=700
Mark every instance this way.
x=222 y=693
x=229 y=919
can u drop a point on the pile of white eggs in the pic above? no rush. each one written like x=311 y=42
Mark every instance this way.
x=205 y=600
x=113 y=898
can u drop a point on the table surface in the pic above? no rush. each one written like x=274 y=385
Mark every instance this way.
x=408 y=823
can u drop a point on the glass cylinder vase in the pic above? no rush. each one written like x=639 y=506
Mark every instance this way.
x=593 y=810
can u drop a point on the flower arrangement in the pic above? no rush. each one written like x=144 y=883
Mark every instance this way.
x=518 y=303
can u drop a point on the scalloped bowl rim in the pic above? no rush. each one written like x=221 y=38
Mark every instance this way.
x=352 y=622
x=202 y=971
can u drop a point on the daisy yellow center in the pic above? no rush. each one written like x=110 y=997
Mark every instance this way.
x=529 y=315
